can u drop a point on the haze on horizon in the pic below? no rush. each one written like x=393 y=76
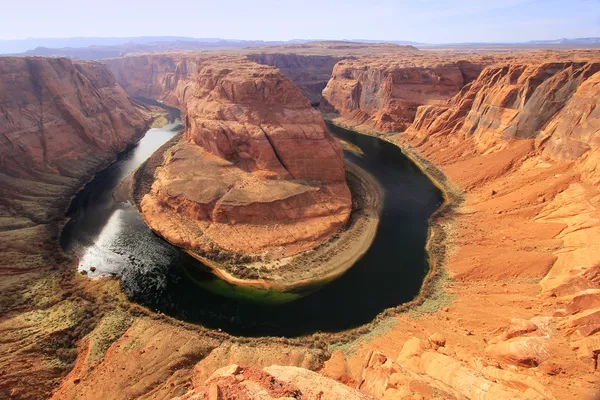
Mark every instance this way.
x=429 y=21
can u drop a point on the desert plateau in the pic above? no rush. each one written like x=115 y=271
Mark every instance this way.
x=313 y=219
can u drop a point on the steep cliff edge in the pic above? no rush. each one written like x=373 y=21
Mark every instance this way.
x=60 y=121
x=256 y=174
x=382 y=94
x=164 y=77
x=553 y=103
x=309 y=72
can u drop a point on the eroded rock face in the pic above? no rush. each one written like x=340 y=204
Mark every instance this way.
x=383 y=94
x=309 y=72
x=553 y=103
x=256 y=170
x=156 y=76
x=60 y=121
x=521 y=141
x=56 y=111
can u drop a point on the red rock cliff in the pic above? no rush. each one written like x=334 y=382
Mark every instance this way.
x=383 y=94
x=256 y=170
x=522 y=145
x=164 y=77
x=554 y=104
x=59 y=122
x=309 y=72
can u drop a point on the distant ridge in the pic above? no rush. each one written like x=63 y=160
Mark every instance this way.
x=29 y=44
x=588 y=40
x=95 y=48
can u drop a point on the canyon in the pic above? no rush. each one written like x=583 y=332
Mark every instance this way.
x=509 y=308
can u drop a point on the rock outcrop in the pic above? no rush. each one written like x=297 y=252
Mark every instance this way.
x=274 y=382
x=517 y=317
x=522 y=142
x=382 y=94
x=256 y=172
x=60 y=122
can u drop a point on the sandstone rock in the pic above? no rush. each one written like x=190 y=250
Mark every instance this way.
x=412 y=347
x=516 y=98
x=274 y=382
x=525 y=352
x=335 y=367
x=437 y=339
x=396 y=394
x=550 y=368
x=587 y=323
x=383 y=94
x=309 y=72
x=519 y=327
x=584 y=301
x=256 y=172
x=165 y=78
x=61 y=120
x=375 y=374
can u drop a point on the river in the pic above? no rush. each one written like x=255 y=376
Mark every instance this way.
x=112 y=238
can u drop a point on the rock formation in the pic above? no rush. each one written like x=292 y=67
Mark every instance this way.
x=156 y=76
x=382 y=94
x=60 y=122
x=256 y=171
x=274 y=382
x=522 y=142
x=517 y=316
x=552 y=103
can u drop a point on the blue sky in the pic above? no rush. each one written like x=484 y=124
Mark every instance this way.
x=433 y=21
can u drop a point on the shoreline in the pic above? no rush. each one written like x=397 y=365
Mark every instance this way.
x=436 y=247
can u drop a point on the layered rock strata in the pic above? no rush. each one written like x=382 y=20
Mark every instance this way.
x=524 y=250
x=382 y=94
x=255 y=174
x=156 y=76
x=309 y=72
x=60 y=122
x=273 y=382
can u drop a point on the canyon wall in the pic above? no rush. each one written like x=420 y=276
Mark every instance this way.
x=309 y=72
x=516 y=150
x=552 y=103
x=382 y=94
x=60 y=122
x=256 y=170
x=164 y=77
x=263 y=131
